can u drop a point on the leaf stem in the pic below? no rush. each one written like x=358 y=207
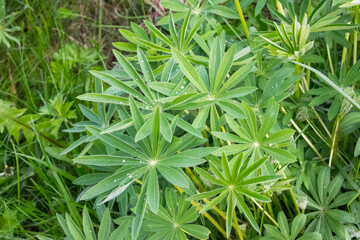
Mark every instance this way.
x=242 y=19
x=329 y=57
x=356 y=20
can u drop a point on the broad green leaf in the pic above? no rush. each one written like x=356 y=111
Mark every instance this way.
x=103 y=98
x=155 y=131
x=279 y=137
x=297 y=224
x=104 y=229
x=173 y=176
x=103 y=76
x=145 y=67
x=208 y=176
x=130 y=70
x=184 y=29
x=158 y=33
x=214 y=63
x=196 y=231
x=243 y=208
x=224 y=67
x=231 y=109
x=182 y=161
x=88 y=226
x=229 y=213
x=253 y=194
x=106 y=160
x=189 y=71
x=283 y=224
x=250 y=169
x=165 y=128
x=269 y=118
x=144 y=131
x=140 y=210
x=261 y=179
x=153 y=192
x=280 y=154
x=225 y=166
x=259 y=6
x=215 y=201
x=74 y=229
x=116 y=142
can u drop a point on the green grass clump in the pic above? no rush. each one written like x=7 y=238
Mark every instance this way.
x=210 y=120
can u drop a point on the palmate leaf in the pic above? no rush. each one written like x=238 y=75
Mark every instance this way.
x=232 y=186
x=175 y=220
x=255 y=140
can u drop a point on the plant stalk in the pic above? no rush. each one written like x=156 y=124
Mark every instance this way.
x=242 y=19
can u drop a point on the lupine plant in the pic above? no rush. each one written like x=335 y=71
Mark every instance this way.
x=214 y=120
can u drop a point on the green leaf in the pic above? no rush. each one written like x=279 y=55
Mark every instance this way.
x=182 y=161
x=153 y=192
x=195 y=28
x=172 y=29
x=208 y=176
x=357 y=148
x=229 y=213
x=259 y=6
x=261 y=179
x=165 y=128
x=105 y=160
x=87 y=225
x=224 y=67
x=120 y=232
x=297 y=225
x=231 y=109
x=196 y=231
x=214 y=202
x=116 y=142
x=208 y=194
x=103 y=98
x=250 y=169
x=103 y=76
x=184 y=29
x=104 y=229
x=157 y=33
x=74 y=229
x=128 y=47
x=144 y=131
x=173 y=176
x=279 y=154
x=283 y=224
x=140 y=210
x=155 y=131
x=189 y=71
x=279 y=137
x=225 y=166
x=214 y=63
x=253 y=194
x=130 y=70
x=269 y=118
x=243 y=208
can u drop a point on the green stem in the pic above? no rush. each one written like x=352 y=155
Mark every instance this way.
x=356 y=20
x=335 y=138
x=242 y=19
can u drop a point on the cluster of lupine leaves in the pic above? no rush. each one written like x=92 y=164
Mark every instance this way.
x=225 y=120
